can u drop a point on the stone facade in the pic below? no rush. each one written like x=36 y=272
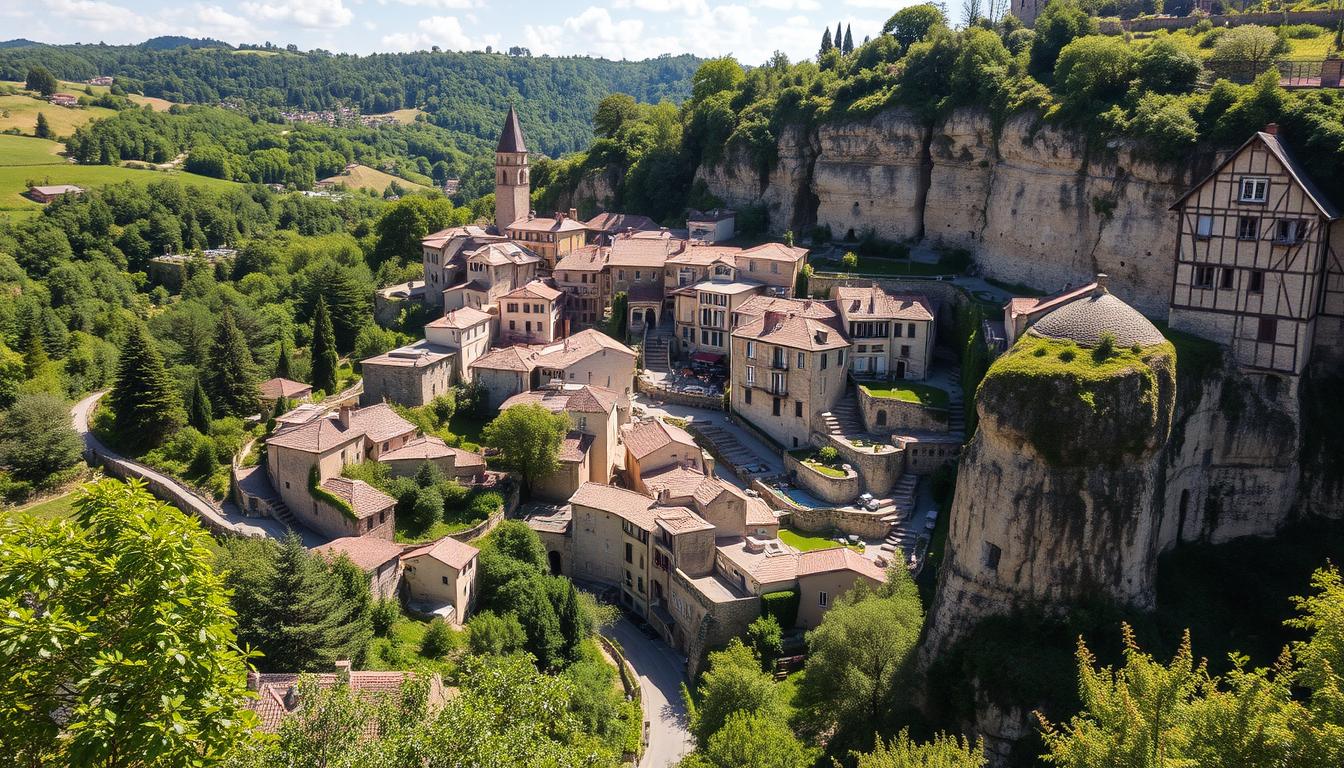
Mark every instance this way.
x=833 y=490
x=885 y=415
x=850 y=522
x=411 y=376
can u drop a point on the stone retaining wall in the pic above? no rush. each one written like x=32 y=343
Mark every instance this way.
x=832 y=490
x=901 y=415
x=206 y=510
x=866 y=525
x=665 y=395
x=878 y=472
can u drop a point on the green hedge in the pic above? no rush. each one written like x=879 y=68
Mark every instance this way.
x=322 y=494
x=782 y=605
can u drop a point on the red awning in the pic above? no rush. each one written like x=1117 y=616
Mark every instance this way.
x=706 y=357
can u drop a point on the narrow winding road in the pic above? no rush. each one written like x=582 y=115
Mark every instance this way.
x=661 y=674
x=95 y=451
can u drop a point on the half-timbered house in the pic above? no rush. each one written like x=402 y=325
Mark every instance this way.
x=1254 y=258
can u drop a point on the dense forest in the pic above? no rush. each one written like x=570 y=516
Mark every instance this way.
x=463 y=92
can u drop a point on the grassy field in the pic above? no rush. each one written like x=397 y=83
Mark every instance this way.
x=20 y=111
x=806 y=542
x=25 y=161
x=403 y=116
x=155 y=103
x=908 y=391
x=51 y=509
x=364 y=177
x=401 y=648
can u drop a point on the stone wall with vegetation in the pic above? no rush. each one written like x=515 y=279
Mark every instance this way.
x=832 y=490
x=901 y=415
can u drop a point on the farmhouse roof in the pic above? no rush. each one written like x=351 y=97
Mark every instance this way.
x=368 y=552
x=449 y=551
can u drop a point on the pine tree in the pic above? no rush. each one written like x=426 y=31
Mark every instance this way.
x=311 y=624
x=199 y=414
x=43 y=129
x=146 y=405
x=35 y=356
x=348 y=302
x=572 y=624
x=324 y=350
x=284 y=366
x=825 y=42
x=231 y=382
x=848 y=47
x=839 y=35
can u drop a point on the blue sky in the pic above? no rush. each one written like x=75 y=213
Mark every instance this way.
x=632 y=29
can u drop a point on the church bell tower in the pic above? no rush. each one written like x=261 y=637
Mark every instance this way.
x=512 y=183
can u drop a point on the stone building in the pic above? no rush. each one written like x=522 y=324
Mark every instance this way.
x=505 y=372
x=594 y=412
x=711 y=226
x=304 y=466
x=454 y=463
x=513 y=184
x=550 y=237
x=705 y=312
x=825 y=575
x=470 y=267
x=379 y=558
x=1255 y=271
x=1059 y=493
x=412 y=375
x=587 y=357
x=654 y=445
x=274 y=389
x=466 y=333
x=582 y=275
x=440 y=579
x=892 y=334
x=604 y=226
x=531 y=314
x=788 y=368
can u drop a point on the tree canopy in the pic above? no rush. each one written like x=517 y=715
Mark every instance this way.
x=528 y=438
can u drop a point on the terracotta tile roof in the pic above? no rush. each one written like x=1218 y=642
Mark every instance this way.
x=679 y=482
x=368 y=552
x=838 y=559
x=557 y=223
x=653 y=435
x=421 y=354
x=585 y=398
x=758 y=513
x=680 y=520
x=500 y=253
x=774 y=564
x=609 y=498
x=716 y=214
x=427 y=447
x=443 y=236
x=535 y=289
x=574 y=447
x=590 y=258
x=652 y=250
x=362 y=497
x=380 y=422
x=645 y=294
x=578 y=347
x=874 y=303
x=277 y=693
x=704 y=254
x=272 y=389
x=775 y=252
x=759 y=305
x=449 y=551
x=516 y=358
x=795 y=329
x=316 y=436
x=462 y=317
x=619 y=222
x=547 y=518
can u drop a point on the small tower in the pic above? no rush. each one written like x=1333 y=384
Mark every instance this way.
x=512 y=184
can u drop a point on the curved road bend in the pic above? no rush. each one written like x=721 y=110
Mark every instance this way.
x=661 y=672
x=79 y=419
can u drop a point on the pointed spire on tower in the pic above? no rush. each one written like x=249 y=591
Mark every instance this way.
x=511 y=138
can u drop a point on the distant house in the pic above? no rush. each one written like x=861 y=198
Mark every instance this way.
x=379 y=558
x=274 y=389
x=64 y=100
x=47 y=194
x=712 y=226
x=277 y=694
x=602 y=226
x=441 y=578
x=100 y=80
x=412 y=375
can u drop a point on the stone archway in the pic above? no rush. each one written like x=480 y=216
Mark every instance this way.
x=553 y=558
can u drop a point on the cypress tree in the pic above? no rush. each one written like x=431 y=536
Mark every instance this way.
x=43 y=129
x=146 y=405
x=571 y=623
x=312 y=624
x=825 y=42
x=325 y=361
x=199 y=413
x=284 y=367
x=839 y=35
x=848 y=47
x=35 y=356
x=231 y=383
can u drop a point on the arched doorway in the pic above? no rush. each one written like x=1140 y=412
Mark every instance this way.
x=650 y=316
x=554 y=558
x=900 y=369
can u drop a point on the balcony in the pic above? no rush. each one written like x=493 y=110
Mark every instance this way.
x=779 y=363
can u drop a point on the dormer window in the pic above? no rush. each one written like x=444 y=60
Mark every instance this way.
x=1254 y=189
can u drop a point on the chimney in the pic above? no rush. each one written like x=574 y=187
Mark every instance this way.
x=343 y=668
x=1101 y=285
x=343 y=416
x=559 y=216
x=531 y=215
x=1272 y=129
x=662 y=495
x=574 y=214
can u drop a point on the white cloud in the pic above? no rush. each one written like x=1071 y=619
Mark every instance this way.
x=304 y=13
x=787 y=5
x=447 y=5
x=443 y=31
x=595 y=32
x=219 y=23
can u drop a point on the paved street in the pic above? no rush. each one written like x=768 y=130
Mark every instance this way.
x=660 y=671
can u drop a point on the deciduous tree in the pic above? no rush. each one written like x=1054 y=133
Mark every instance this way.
x=733 y=683
x=42 y=129
x=36 y=439
x=528 y=438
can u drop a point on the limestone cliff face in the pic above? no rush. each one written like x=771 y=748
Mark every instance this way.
x=1060 y=493
x=596 y=190
x=1032 y=203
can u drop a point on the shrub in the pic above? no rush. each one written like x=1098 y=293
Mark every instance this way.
x=783 y=606
x=1067 y=355
x=491 y=634
x=1166 y=67
x=828 y=455
x=438 y=640
x=1105 y=347
x=485 y=505
x=384 y=614
x=766 y=639
x=454 y=494
x=1093 y=72
x=427 y=510
x=203 y=464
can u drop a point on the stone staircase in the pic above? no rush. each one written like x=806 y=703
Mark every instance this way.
x=280 y=511
x=657 y=346
x=956 y=403
x=906 y=525
x=843 y=419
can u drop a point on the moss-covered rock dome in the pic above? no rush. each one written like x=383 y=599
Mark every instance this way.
x=1088 y=319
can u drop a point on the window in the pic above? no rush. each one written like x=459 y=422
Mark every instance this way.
x=822 y=598
x=686 y=333
x=1255 y=283
x=798 y=409
x=823 y=361
x=620 y=274
x=583 y=423
x=1288 y=231
x=444 y=578
x=839 y=358
x=368 y=524
x=1254 y=189
x=775 y=409
x=992 y=553
x=801 y=358
x=1204 y=226
x=774 y=268
x=1203 y=277
x=905 y=350
x=910 y=330
x=1229 y=278
x=384 y=445
x=751 y=266
x=751 y=375
x=637 y=274
x=751 y=351
x=746 y=396
x=513 y=307
x=1248 y=228
x=1268 y=329
x=629 y=553
x=527 y=309
x=897 y=330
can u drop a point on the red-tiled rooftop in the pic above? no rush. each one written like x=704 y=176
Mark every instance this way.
x=838 y=559
x=368 y=552
x=272 y=389
x=363 y=498
x=653 y=435
x=449 y=551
